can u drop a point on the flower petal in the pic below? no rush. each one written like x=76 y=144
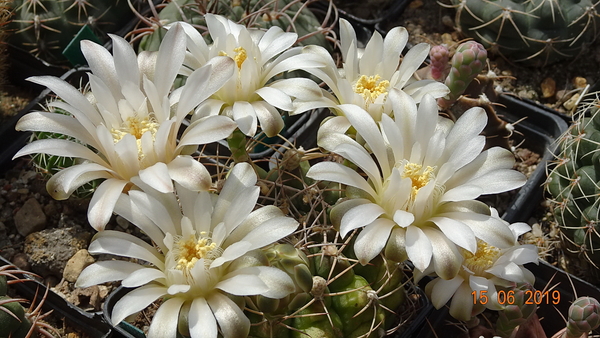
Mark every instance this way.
x=190 y=173
x=141 y=277
x=337 y=172
x=125 y=245
x=103 y=202
x=165 y=320
x=360 y=216
x=232 y=321
x=271 y=122
x=244 y=282
x=135 y=301
x=106 y=271
x=372 y=239
x=207 y=130
x=418 y=247
x=202 y=322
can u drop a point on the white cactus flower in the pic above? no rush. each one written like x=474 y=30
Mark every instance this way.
x=206 y=253
x=481 y=272
x=126 y=126
x=250 y=95
x=423 y=175
x=369 y=74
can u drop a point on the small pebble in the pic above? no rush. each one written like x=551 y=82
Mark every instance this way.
x=571 y=103
x=548 y=87
x=20 y=261
x=579 y=82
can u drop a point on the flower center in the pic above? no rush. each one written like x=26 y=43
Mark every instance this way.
x=240 y=56
x=370 y=87
x=418 y=176
x=137 y=127
x=483 y=259
x=190 y=250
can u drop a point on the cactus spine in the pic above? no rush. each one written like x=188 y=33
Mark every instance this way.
x=538 y=32
x=572 y=183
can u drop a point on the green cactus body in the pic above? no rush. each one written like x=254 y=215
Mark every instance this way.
x=46 y=27
x=308 y=324
x=572 y=183
x=357 y=308
x=253 y=13
x=8 y=322
x=3 y=285
x=538 y=32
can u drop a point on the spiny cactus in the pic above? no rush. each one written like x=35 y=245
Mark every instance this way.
x=573 y=182
x=15 y=321
x=46 y=27
x=538 y=32
x=287 y=14
x=584 y=316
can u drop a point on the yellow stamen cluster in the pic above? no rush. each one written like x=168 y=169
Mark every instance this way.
x=370 y=87
x=191 y=250
x=419 y=177
x=240 y=56
x=483 y=259
x=137 y=127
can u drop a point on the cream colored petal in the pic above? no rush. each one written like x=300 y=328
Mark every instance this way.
x=232 y=321
x=135 y=301
x=189 y=173
x=106 y=271
x=165 y=320
x=271 y=122
x=372 y=239
x=125 y=245
x=202 y=322
x=103 y=202
x=337 y=172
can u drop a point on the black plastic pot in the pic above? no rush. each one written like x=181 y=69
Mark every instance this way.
x=126 y=330
x=89 y=323
x=538 y=132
